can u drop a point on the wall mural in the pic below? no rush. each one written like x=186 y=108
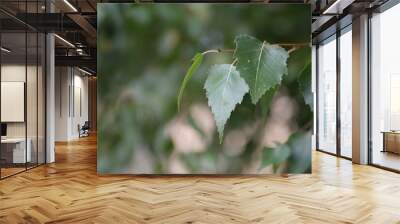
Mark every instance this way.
x=204 y=88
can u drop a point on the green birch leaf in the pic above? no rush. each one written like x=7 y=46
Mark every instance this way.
x=225 y=88
x=296 y=151
x=275 y=156
x=305 y=85
x=262 y=65
x=198 y=58
x=298 y=58
x=300 y=156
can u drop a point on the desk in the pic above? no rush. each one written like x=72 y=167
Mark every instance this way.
x=391 y=141
x=15 y=148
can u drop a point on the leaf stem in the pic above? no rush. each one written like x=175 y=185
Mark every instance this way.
x=219 y=50
x=209 y=51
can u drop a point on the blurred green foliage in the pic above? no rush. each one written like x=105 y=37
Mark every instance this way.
x=143 y=54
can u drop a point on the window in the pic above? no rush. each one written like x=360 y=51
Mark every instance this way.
x=327 y=96
x=22 y=77
x=385 y=89
x=346 y=92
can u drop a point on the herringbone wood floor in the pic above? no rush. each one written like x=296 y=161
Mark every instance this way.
x=70 y=191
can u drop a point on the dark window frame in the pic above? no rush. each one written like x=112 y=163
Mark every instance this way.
x=31 y=30
x=333 y=37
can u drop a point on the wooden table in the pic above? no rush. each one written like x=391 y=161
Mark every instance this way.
x=391 y=141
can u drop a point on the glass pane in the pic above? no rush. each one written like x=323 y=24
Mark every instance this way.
x=31 y=97
x=22 y=91
x=346 y=94
x=385 y=84
x=14 y=153
x=327 y=96
x=41 y=98
x=32 y=88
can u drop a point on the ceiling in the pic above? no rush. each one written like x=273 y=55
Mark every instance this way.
x=75 y=22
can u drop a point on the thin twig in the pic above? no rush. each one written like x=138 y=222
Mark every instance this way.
x=295 y=46
x=226 y=50
x=292 y=49
x=234 y=61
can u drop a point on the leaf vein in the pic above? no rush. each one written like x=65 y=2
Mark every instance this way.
x=258 y=64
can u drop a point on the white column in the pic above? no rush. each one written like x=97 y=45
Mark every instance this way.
x=50 y=100
x=360 y=90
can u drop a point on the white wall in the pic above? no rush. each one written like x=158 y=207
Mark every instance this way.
x=12 y=73
x=62 y=81
x=71 y=93
x=80 y=109
x=33 y=127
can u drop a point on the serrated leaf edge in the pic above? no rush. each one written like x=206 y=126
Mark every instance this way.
x=230 y=112
x=264 y=43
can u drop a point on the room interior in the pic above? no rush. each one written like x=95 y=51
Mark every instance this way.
x=22 y=102
x=334 y=69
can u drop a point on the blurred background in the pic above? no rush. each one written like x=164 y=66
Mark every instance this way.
x=143 y=54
